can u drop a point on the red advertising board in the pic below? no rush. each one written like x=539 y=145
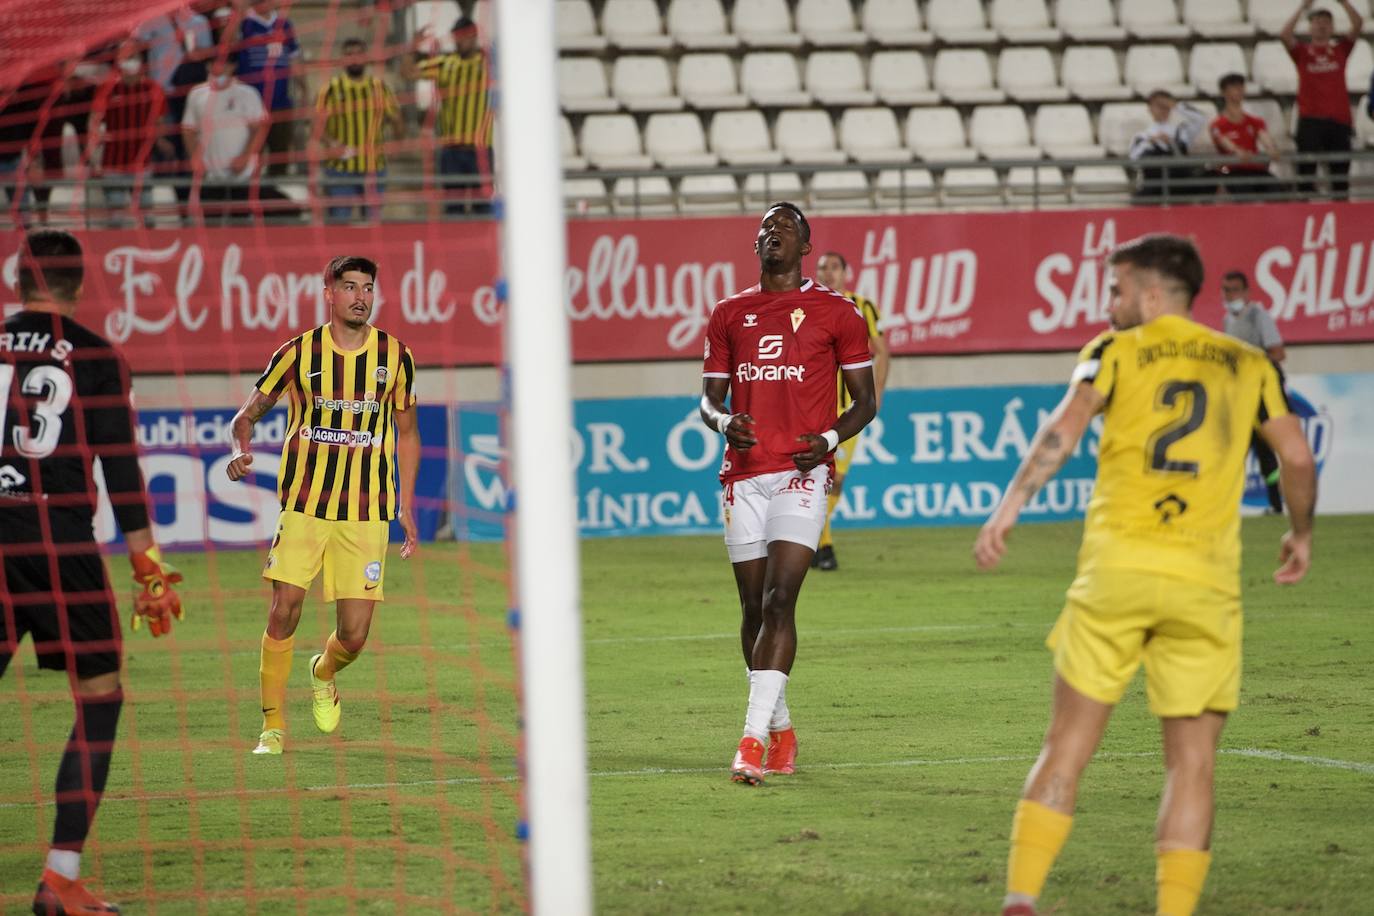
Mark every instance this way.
x=223 y=299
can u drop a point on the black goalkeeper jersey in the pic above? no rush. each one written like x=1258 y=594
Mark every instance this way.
x=64 y=403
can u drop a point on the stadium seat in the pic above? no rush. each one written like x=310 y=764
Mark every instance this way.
x=770 y=79
x=1088 y=20
x=905 y=187
x=741 y=138
x=828 y=23
x=708 y=82
x=870 y=135
x=971 y=186
x=764 y=188
x=1274 y=69
x=807 y=137
x=1066 y=132
x=642 y=194
x=1027 y=75
x=836 y=78
x=1359 y=67
x=764 y=24
x=1364 y=125
x=1091 y=73
x=1151 y=67
x=586 y=196
x=1210 y=61
x=676 y=141
x=847 y=190
x=634 y=25
x=964 y=76
x=1276 y=122
x=959 y=22
x=895 y=23
x=1152 y=20
x=1041 y=184
x=582 y=85
x=1202 y=143
x=1217 y=19
x=937 y=134
x=576 y=26
x=572 y=162
x=900 y=78
x=1001 y=132
x=642 y=83
x=700 y=25
x=611 y=141
x=1101 y=184
x=1118 y=122
x=709 y=193
x=1023 y=21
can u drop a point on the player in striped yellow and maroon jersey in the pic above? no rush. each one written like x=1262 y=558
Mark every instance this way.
x=351 y=433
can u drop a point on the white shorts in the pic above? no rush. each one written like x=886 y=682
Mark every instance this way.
x=784 y=506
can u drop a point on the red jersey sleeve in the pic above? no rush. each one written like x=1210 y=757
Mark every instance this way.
x=851 y=339
x=1297 y=51
x=716 y=362
x=1344 y=48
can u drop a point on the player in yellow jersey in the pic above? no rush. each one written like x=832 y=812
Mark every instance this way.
x=352 y=423
x=1159 y=568
x=833 y=271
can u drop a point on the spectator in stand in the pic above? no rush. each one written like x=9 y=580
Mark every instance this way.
x=193 y=71
x=1248 y=321
x=224 y=127
x=20 y=111
x=73 y=94
x=126 y=124
x=1168 y=136
x=1238 y=133
x=1324 y=122
x=463 y=83
x=269 y=52
x=169 y=38
x=349 y=115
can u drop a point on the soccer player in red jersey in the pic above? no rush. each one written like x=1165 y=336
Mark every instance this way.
x=774 y=349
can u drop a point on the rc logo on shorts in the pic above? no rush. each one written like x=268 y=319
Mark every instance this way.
x=373 y=571
x=801 y=483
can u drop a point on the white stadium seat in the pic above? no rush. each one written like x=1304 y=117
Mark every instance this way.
x=870 y=135
x=828 y=23
x=959 y=22
x=1023 y=21
x=1118 y=122
x=709 y=193
x=1151 y=67
x=741 y=138
x=836 y=78
x=700 y=25
x=572 y=162
x=582 y=85
x=576 y=26
x=964 y=76
x=676 y=141
x=807 y=137
x=1210 y=61
x=707 y=81
x=1066 y=132
x=971 y=186
x=770 y=78
x=1041 y=184
x=1001 y=132
x=1271 y=112
x=764 y=188
x=847 y=190
x=1274 y=69
x=895 y=23
x=1152 y=20
x=1091 y=73
x=611 y=141
x=642 y=83
x=1364 y=124
x=634 y=25
x=764 y=24
x=1358 y=67
x=938 y=134
x=586 y=196
x=1101 y=184
x=1088 y=20
x=649 y=194
x=900 y=78
x=1217 y=19
x=1027 y=75
x=905 y=187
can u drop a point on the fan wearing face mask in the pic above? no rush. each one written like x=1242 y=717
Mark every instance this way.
x=1248 y=321
x=350 y=113
x=224 y=127
x=124 y=129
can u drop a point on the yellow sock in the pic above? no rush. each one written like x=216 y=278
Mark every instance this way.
x=335 y=658
x=274 y=668
x=1037 y=835
x=831 y=501
x=1179 y=875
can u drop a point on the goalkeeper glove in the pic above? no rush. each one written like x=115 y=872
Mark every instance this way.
x=158 y=601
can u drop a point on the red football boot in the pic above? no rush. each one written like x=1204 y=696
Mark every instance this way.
x=59 y=896
x=782 y=753
x=748 y=765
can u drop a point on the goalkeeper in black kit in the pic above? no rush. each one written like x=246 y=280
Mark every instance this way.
x=64 y=403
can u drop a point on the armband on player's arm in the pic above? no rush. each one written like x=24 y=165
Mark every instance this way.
x=157 y=602
x=832 y=440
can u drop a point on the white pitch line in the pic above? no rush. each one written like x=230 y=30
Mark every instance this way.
x=1263 y=754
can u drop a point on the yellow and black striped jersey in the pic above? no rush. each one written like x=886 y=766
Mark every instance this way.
x=463 y=87
x=1181 y=403
x=339 y=455
x=354 y=113
x=869 y=311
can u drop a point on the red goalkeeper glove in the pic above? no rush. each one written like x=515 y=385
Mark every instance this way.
x=158 y=601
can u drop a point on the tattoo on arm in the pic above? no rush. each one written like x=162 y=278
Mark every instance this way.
x=1047 y=456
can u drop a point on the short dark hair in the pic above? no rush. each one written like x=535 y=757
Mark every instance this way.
x=796 y=211
x=341 y=265
x=354 y=42
x=836 y=254
x=1320 y=13
x=463 y=23
x=1159 y=94
x=1230 y=79
x=1171 y=256
x=1236 y=275
x=50 y=266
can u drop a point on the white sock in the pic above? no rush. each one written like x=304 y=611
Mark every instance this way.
x=65 y=862
x=782 y=717
x=764 y=689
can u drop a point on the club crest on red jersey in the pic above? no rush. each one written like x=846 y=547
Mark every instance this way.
x=798 y=316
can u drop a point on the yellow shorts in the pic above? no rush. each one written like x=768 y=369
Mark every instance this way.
x=353 y=555
x=1187 y=634
x=844 y=456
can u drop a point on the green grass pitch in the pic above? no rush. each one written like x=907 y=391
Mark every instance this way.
x=920 y=695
